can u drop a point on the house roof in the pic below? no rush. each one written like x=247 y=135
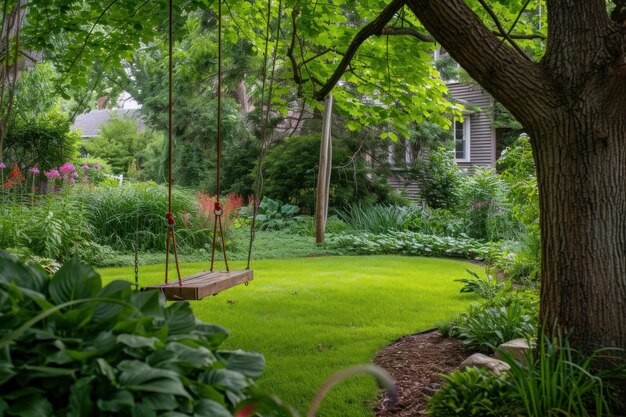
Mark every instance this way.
x=89 y=123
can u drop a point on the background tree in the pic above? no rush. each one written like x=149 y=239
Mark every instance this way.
x=122 y=145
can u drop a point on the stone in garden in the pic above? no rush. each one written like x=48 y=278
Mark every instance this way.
x=517 y=348
x=478 y=360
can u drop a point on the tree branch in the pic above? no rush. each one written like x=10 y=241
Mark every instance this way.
x=528 y=37
x=502 y=31
x=375 y=27
x=297 y=77
x=82 y=48
x=520 y=85
x=409 y=32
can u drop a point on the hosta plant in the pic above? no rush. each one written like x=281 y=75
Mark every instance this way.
x=71 y=347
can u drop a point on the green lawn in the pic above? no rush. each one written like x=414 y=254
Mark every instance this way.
x=311 y=317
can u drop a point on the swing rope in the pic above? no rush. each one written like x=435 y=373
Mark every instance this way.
x=218 y=211
x=170 y=241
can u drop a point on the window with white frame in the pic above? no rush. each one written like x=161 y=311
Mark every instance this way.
x=461 y=132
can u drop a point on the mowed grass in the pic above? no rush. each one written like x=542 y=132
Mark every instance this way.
x=311 y=317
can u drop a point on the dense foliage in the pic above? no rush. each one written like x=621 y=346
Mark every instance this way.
x=121 y=145
x=291 y=174
x=74 y=348
x=44 y=141
x=96 y=222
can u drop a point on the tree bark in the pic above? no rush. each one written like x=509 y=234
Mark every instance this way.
x=582 y=188
x=572 y=106
x=323 y=176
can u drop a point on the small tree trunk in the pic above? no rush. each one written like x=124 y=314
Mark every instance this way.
x=323 y=176
x=242 y=97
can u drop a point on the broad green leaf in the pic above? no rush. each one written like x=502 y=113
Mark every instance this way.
x=31 y=406
x=212 y=333
x=139 y=342
x=119 y=401
x=138 y=376
x=47 y=372
x=106 y=370
x=7 y=371
x=226 y=379
x=74 y=281
x=179 y=318
x=208 y=408
x=251 y=364
x=105 y=312
x=143 y=410
x=148 y=302
x=25 y=276
x=81 y=404
x=165 y=402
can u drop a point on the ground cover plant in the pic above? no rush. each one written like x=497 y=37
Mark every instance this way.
x=411 y=243
x=311 y=317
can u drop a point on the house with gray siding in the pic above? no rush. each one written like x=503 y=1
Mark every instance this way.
x=474 y=137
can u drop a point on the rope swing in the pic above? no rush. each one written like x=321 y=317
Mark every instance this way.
x=202 y=284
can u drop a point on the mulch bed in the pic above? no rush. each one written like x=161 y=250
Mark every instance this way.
x=415 y=362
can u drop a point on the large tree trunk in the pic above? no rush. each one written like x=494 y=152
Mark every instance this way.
x=582 y=186
x=572 y=104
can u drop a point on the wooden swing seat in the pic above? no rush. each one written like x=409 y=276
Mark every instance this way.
x=202 y=284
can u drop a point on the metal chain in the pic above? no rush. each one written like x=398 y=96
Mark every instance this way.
x=136 y=245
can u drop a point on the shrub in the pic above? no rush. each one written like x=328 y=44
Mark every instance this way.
x=274 y=215
x=122 y=216
x=291 y=175
x=517 y=168
x=474 y=392
x=503 y=318
x=487 y=287
x=54 y=228
x=522 y=259
x=409 y=243
x=440 y=222
x=45 y=142
x=121 y=144
x=485 y=209
x=378 y=218
x=560 y=381
x=74 y=348
x=439 y=179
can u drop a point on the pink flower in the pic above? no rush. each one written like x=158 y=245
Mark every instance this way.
x=74 y=174
x=85 y=166
x=34 y=170
x=53 y=173
x=96 y=166
x=72 y=180
x=67 y=168
x=85 y=178
x=2 y=166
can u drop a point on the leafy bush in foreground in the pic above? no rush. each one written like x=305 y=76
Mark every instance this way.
x=409 y=243
x=71 y=347
x=474 y=392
